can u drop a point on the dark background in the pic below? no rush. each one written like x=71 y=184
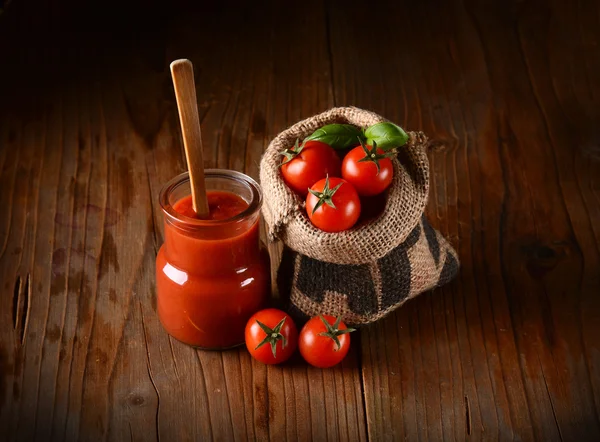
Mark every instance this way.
x=509 y=94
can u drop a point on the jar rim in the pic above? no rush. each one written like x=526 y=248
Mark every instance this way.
x=233 y=175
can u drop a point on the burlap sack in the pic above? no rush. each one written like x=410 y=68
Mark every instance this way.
x=365 y=272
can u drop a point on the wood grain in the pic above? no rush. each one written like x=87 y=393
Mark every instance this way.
x=98 y=364
x=89 y=132
x=506 y=351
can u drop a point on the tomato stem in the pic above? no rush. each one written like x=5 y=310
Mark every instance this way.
x=333 y=331
x=273 y=335
x=326 y=195
x=372 y=155
x=292 y=153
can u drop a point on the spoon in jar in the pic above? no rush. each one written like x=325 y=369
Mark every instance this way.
x=182 y=73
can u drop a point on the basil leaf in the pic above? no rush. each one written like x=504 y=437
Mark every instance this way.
x=386 y=135
x=338 y=136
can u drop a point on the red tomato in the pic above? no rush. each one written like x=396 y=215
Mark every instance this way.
x=305 y=165
x=324 y=341
x=333 y=205
x=271 y=336
x=368 y=169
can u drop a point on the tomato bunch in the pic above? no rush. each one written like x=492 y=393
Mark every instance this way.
x=272 y=338
x=342 y=173
x=336 y=190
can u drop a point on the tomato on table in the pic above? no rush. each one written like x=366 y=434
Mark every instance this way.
x=324 y=341
x=369 y=169
x=333 y=205
x=306 y=164
x=271 y=336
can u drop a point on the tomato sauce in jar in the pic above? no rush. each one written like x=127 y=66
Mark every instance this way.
x=212 y=274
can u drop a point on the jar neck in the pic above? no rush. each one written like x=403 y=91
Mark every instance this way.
x=216 y=180
x=212 y=246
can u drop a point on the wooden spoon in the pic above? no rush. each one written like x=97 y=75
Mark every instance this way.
x=182 y=73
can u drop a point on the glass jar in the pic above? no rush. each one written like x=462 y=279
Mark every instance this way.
x=211 y=276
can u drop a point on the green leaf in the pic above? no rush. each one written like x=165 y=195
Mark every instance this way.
x=277 y=328
x=335 y=189
x=336 y=324
x=386 y=135
x=338 y=344
x=263 y=342
x=274 y=348
x=338 y=136
x=318 y=205
x=265 y=328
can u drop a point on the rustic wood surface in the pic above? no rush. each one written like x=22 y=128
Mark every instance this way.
x=508 y=91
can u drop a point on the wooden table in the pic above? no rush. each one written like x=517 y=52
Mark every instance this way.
x=508 y=91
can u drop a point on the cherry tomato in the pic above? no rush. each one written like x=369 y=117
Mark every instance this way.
x=333 y=205
x=324 y=341
x=271 y=336
x=304 y=165
x=368 y=169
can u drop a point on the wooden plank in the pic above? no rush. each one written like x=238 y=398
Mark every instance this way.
x=504 y=351
x=83 y=216
x=509 y=95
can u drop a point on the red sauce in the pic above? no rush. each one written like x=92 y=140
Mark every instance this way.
x=211 y=279
x=222 y=205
